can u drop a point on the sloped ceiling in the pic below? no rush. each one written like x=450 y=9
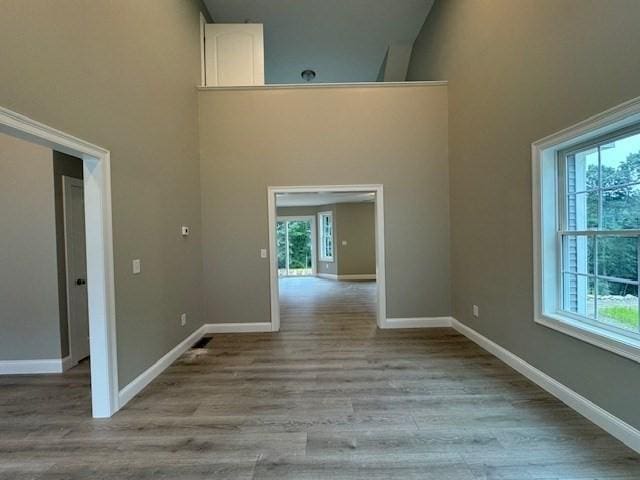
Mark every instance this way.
x=341 y=40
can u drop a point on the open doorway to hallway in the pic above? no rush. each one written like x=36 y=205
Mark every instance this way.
x=69 y=223
x=327 y=255
x=44 y=318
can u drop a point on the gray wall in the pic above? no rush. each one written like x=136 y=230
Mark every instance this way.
x=122 y=75
x=518 y=71
x=29 y=321
x=63 y=165
x=353 y=222
x=356 y=225
x=396 y=136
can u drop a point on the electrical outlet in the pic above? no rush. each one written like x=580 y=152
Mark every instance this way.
x=183 y=319
x=136 y=266
x=476 y=311
x=263 y=253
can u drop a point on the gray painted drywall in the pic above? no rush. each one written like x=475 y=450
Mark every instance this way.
x=356 y=225
x=122 y=75
x=551 y=64
x=63 y=165
x=251 y=139
x=29 y=317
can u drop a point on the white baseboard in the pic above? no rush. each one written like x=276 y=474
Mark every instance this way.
x=330 y=276
x=358 y=276
x=29 y=367
x=238 y=327
x=624 y=432
x=145 y=378
x=353 y=276
x=421 y=322
x=67 y=363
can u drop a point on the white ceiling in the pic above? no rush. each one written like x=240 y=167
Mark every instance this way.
x=341 y=40
x=322 y=198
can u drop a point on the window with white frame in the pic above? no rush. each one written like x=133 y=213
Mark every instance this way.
x=325 y=231
x=599 y=230
x=589 y=236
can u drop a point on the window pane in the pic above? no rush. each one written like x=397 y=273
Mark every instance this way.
x=621 y=208
x=578 y=253
x=582 y=211
x=618 y=304
x=620 y=161
x=618 y=257
x=578 y=294
x=582 y=170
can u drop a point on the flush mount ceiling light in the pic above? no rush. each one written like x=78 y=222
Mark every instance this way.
x=308 y=75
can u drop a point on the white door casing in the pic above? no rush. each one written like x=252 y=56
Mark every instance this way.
x=99 y=245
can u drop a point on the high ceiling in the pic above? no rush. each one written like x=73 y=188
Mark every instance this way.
x=341 y=40
x=322 y=198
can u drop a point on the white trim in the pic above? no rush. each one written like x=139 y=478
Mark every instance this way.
x=146 y=377
x=357 y=276
x=545 y=227
x=321 y=254
x=288 y=86
x=353 y=276
x=238 y=327
x=28 y=367
x=418 y=322
x=600 y=337
x=100 y=282
x=328 y=276
x=67 y=363
x=203 y=65
x=381 y=311
x=624 y=432
x=306 y=218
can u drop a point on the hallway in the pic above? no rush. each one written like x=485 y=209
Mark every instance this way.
x=329 y=397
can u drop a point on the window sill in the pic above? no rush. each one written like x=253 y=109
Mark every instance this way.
x=605 y=339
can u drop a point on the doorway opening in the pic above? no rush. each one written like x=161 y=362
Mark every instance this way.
x=327 y=251
x=88 y=248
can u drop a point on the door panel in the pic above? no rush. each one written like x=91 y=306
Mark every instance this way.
x=76 y=257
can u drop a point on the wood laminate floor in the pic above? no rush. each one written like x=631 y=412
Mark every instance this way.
x=329 y=397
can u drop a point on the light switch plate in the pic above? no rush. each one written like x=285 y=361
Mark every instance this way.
x=344 y=243
x=476 y=311
x=137 y=266
x=185 y=231
x=183 y=319
x=263 y=253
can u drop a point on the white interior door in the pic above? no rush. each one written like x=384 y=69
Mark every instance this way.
x=234 y=54
x=76 y=264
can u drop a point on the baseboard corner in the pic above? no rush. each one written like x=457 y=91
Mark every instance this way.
x=257 y=327
x=146 y=377
x=417 y=322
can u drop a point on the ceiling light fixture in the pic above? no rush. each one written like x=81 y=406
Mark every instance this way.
x=308 y=75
